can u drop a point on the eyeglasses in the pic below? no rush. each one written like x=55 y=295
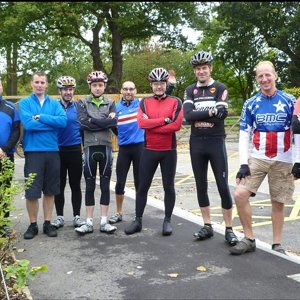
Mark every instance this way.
x=128 y=89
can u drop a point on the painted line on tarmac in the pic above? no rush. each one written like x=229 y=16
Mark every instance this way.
x=159 y=204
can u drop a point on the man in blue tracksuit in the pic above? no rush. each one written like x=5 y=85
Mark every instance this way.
x=41 y=116
x=69 y=141
x=9 y=134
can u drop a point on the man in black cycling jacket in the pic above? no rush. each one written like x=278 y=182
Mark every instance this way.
x=205 y=107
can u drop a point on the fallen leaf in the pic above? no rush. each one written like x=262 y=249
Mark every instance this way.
x=173 y=275
x=131 y=273
x=201 y=269
x=20 y=250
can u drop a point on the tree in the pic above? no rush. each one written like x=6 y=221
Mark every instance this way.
x=112 y=24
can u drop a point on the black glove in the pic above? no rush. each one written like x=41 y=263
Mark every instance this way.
x=296 y=170
x=221 y=112
x=243 y=172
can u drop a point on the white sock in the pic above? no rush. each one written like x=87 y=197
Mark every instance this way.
x=89 y=221
x=103 y=220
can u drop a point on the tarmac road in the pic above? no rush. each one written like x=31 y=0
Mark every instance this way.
x=148 y=265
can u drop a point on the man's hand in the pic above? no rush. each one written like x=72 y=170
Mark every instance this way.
x=296 y=170
x=172 y=77
x=243 y=172
x=145 y=116
x=2 y=153
x=221 y=112
x=168 y=121
x=111 y=115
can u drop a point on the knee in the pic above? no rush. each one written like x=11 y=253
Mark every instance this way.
x=241 y=196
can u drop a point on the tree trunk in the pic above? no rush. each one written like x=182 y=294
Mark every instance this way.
x=11 y=61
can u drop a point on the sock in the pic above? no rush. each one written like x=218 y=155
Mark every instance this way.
x=103 y=220
x=228 y=227
x=207 y=224
x=33 y=224
x=47 y=222
x=89 y=221
x=251 y=240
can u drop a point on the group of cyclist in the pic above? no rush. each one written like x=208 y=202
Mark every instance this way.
x=56 y=134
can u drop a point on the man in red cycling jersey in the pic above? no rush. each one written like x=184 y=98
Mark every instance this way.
x=161 y=116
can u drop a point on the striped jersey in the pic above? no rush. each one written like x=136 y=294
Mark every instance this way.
x=128 y=129
x=267 y=119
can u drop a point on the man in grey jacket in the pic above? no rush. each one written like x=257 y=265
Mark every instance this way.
x=97 y=116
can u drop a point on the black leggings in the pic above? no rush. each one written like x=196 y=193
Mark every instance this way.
x=93 y=155
x=213 y=150
x=128 y=154
x=71 y=165
x=148 y=165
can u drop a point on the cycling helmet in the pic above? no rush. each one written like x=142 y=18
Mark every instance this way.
x=158 y=74
x=96 y=76
x=64 y=81
x=201 y=58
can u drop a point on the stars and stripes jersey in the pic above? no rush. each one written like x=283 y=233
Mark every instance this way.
x=128 y=129
x=198 y=100
x=267 y=119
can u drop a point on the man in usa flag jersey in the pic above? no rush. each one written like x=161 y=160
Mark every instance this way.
x=265 y=120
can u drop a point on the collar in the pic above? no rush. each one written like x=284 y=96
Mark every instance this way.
x=269 y=96
x=198 y=84
x=164 y=96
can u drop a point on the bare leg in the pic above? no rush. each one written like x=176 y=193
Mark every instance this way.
x=48 y=204
x=205 y=211
x=32 y=206
x=241 y=197
x=277 y=221
x=227 y=216
x=119 y=202
x=90 y=211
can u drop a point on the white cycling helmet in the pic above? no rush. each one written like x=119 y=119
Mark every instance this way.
x=96 y=76
x=64 y=81
x=158 y=74
x=201 y=58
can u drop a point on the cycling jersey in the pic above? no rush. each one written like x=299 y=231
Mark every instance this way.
x=198 y=100
x=269 y=124
x=159 y=135
x=128 y=129
x=9 y=126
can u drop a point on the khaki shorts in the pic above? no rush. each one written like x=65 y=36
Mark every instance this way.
x=280 y=179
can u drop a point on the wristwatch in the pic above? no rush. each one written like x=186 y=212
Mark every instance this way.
x=36 y=117
x=168 y=120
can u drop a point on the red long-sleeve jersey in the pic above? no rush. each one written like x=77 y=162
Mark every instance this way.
x=151 y=117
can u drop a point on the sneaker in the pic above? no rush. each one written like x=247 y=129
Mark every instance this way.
x=243 y=246
x=85 y=228
x=230 y=237
x=77 y=221
x=115 y=219
x=31 y=232
x=50 y=230
x=204 y=233
x=107 y=228
x=278 y=248
x=58 y=222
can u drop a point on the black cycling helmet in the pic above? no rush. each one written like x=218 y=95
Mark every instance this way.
x=158 y=74
x=201 y=58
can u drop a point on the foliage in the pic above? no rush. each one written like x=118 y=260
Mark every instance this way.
x=21 y=272
x=293 y=91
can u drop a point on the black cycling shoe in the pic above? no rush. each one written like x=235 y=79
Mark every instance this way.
x=135 y=226
x=167 y=227
x=204 y=233
x=230 y=237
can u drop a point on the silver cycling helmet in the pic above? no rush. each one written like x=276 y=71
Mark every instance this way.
x=158 y=74
x=64 y=81
x=201 y=58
